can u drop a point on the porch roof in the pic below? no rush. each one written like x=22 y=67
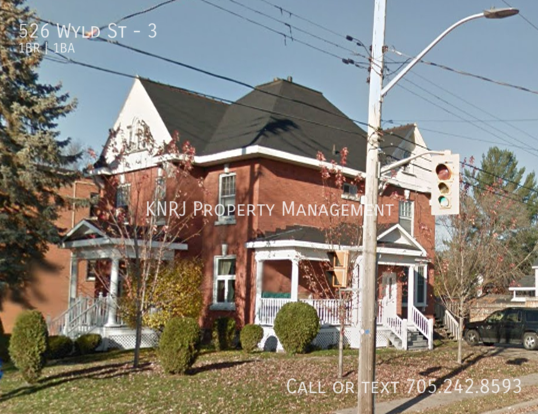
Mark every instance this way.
x=391 y=240
x=90 y=235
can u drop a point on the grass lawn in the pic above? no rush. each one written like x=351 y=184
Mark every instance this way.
x=233 y=382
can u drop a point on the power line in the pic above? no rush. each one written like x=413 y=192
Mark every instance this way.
x=462 y=72
x=130 y=16
x=459 y=120
x=523 y=17
x=284 y=35
x=456 y=115
x=290 y=26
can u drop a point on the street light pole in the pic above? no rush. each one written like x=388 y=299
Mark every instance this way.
x=368 y=284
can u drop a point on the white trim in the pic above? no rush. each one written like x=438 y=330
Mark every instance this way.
x=410 y=237
x=87 y=224
x=224 y=220
x=104 y=241
x=258 y=151
x=521 y=288
x=222 y=305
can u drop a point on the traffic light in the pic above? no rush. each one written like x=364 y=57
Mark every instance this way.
x=445 y=184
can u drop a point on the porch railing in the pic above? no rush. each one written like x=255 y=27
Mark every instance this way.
x=328 y=310
x=83 y=316
x=423 y=324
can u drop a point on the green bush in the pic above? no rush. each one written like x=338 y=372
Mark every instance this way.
x=59 y=347
x=87 y=343
x=250 y=336
x=4 y=344
x=179 y=345
x=223 y=333
x=28 y=345
x=296 y=326
x=4 y=347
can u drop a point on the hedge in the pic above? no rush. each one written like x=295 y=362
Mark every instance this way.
x=59 y=347
x=179 y=345
x=250 y=336
x=87 y=343
x=296 y=326
x=28 y=345
x=223 y=333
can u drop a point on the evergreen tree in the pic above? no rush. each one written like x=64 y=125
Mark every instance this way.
x=499 y=170
x=32 y=164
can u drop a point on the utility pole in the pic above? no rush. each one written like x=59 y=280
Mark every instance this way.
x=369 y=283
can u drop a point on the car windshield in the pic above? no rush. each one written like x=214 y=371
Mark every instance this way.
x=495 y=317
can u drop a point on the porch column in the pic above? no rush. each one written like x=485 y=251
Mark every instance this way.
x=294 y=279
x=73 y=279
x=113 y=292
x=411 y=289
x=259 y=288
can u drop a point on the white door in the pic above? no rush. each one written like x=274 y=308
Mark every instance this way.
x=389 y=294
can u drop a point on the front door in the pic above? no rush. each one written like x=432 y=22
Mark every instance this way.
x=389 y=294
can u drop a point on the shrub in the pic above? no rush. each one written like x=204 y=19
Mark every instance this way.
x=296 y=326
x=28 y=345
x=176 y=293
x=59 y=347
x=223 y=333
x=250 y=336
x=87 y=343
x=4 y=347
x=179 y=345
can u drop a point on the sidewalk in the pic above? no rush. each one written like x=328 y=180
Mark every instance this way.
x=429 y=401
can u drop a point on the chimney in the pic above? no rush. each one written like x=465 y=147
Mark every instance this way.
x=290 y=79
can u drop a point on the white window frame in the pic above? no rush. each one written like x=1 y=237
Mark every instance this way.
x=160 y=219
x=227 y=219
x=119 y=188
x=412 y=219
x=348 y=195
x=226 y=278
x=425 y=277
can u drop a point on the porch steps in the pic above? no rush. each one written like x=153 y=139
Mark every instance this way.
x=415 y=341
x=441 y=331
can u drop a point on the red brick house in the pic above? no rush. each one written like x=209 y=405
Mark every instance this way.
x=262 y=151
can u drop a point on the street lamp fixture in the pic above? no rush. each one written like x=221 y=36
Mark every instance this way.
x=500 y=13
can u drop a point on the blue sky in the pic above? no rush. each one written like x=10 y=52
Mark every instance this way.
x=203 y=36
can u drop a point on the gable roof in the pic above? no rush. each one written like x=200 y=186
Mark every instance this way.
x=193 y=116
x=397 y=237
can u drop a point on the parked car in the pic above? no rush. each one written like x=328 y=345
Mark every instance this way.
x=509 y=326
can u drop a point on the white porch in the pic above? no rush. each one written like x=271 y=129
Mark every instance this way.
x=391 y=328
x=99 y=314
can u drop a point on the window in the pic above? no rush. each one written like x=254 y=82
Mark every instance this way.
x=421 y=285
x=227 y=196
x=160 y=198
x=94 y=204
x=513 y=315
x=495 y=317
x=224 y=283
x=406 y=216
x=91 y=270
x=123 y=195
x=531 y=315
x=350 y=191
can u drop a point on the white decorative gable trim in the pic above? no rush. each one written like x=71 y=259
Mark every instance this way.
x=397 y=234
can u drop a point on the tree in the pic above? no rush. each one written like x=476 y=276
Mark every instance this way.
x=176 y=294
x=478 y=251
x=84 y=155
x=144 y=223
x=500 y=168
x=32 y=166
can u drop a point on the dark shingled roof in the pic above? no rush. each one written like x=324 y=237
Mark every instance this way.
x=212 y=126
x=526 y=281
x=194 y=117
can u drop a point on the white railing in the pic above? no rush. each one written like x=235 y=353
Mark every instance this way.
x=399 y=327
x=328 y=310
x=451 y=324
x=423 y=324
x=83 y=316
